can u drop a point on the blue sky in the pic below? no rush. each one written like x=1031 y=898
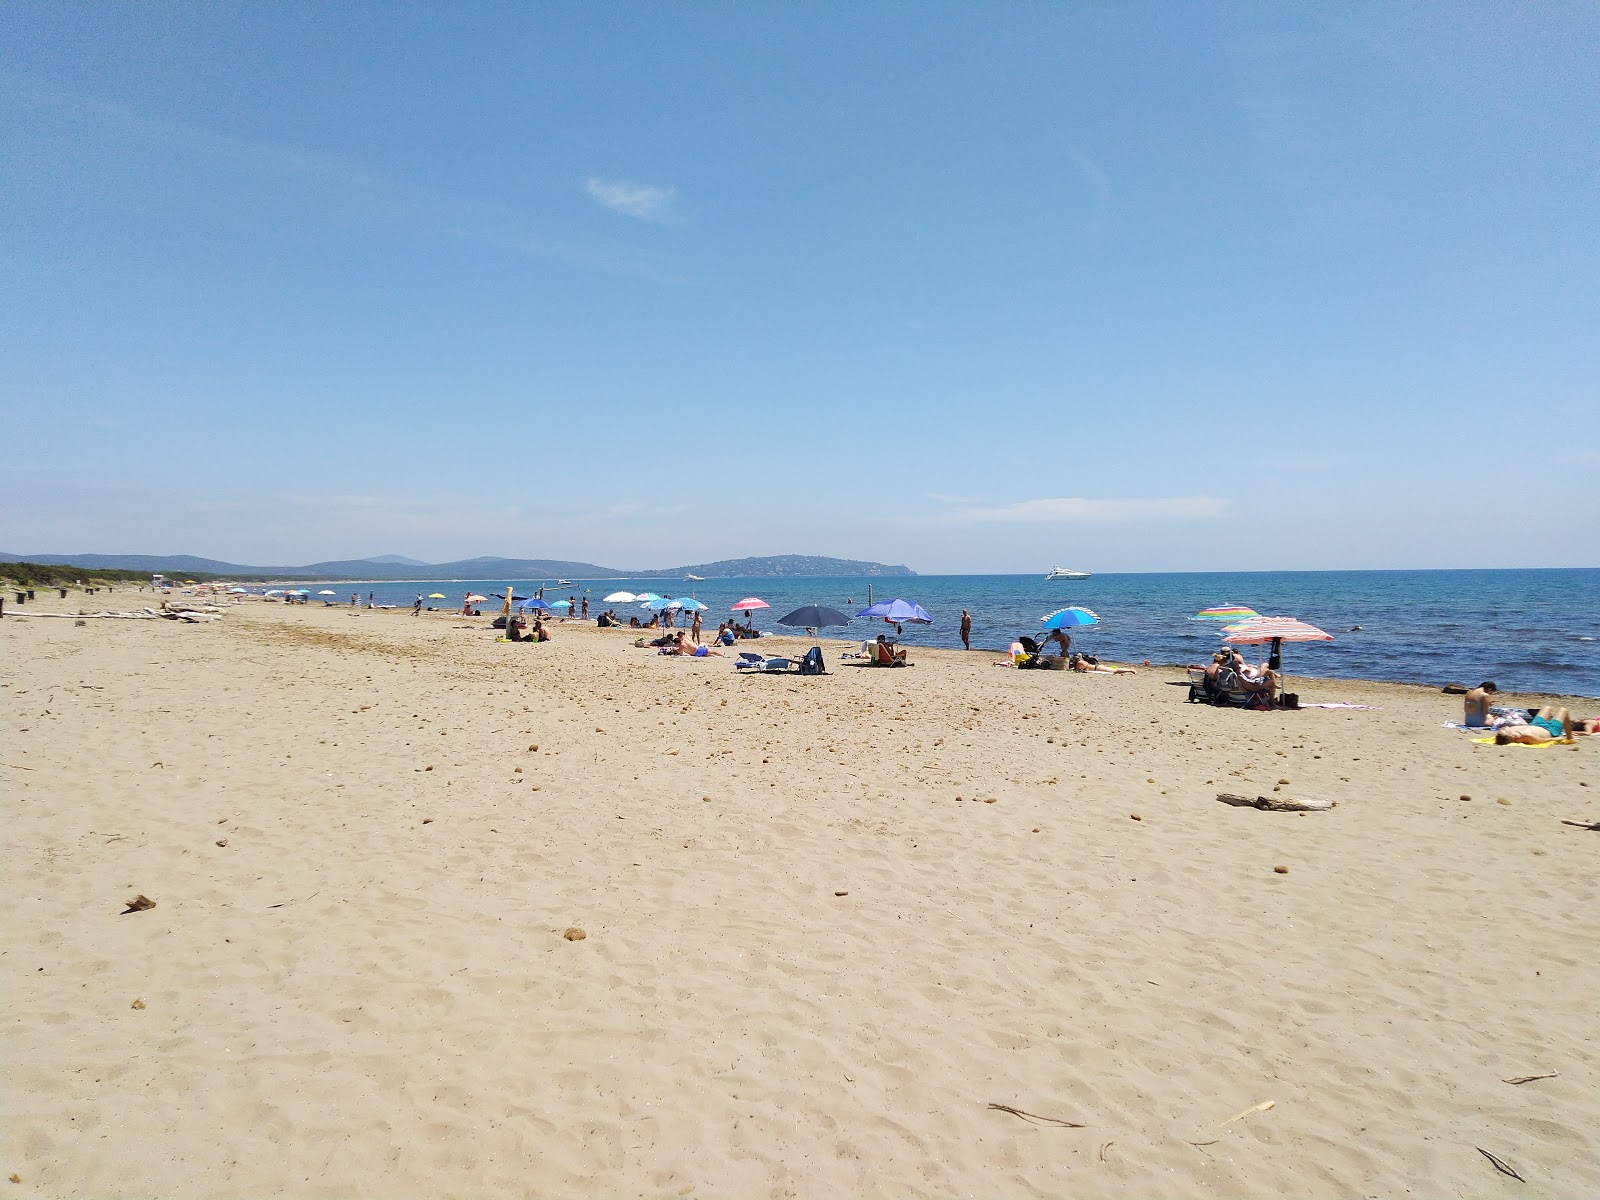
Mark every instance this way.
x=970 y=287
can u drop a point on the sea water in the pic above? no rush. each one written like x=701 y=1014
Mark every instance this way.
x=1528 y=630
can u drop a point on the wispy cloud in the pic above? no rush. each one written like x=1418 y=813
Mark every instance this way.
x=348 y=187
x=1099 y=184
x=1079 y=510
x=943 y=499
x=639 y=200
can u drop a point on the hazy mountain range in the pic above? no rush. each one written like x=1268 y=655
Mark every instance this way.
x=396 y=566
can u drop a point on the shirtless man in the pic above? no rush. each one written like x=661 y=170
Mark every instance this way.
x=1547 y=725
x=966 y=630
x=1477 y=705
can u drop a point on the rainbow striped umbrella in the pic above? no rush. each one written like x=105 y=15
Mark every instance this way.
x=1225 y=612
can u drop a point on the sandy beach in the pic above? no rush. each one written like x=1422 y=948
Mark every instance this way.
x=829 y=924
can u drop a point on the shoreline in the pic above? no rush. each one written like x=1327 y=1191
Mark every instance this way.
x=80 y=604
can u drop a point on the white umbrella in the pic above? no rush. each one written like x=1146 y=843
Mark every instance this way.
x=620 y=598
x=327 y=592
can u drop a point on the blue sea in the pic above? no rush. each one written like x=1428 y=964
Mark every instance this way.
x=1528 y=630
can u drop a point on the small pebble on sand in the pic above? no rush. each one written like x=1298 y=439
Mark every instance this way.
x=574 y=934
x=1281 y=870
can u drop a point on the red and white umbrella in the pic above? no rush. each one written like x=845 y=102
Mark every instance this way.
x=750 y=603
x=1276 y=630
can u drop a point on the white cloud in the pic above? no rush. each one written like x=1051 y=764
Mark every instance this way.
x=943 y=499
x=1076 y=509
x=632 y=199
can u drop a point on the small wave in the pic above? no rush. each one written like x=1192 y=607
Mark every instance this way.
x=1582 y=637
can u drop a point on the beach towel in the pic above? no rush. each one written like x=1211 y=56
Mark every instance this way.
x=1343 y=704
x=1489 y=741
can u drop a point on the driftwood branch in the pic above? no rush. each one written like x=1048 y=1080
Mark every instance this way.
x=1500 y=1164
x=1274 y=804
x=1035 y=1118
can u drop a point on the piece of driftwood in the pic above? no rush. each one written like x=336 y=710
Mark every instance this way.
x=1500 y=1164
x=1275 y=803
x=1582 y=824
x=1531 y=1078
x=1035 y=1117
x=1254 y=1108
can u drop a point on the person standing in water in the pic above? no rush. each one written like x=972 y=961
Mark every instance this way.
x=966 y=630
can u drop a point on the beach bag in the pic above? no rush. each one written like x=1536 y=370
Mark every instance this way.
x=811 y=664
x=1289 y=699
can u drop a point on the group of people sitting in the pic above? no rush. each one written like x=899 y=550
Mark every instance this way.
x=517 y=630
x=1228 y=672
x=1522 y=726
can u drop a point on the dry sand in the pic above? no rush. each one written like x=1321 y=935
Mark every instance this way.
x=829 y=922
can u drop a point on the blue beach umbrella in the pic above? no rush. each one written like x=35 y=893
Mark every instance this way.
x=536 y=604
x=561 y=604
x=814 y=616
x=691 y=603
x=1067 y=618
x=898 y=612
x=648 y=596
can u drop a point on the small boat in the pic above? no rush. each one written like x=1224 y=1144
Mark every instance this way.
x=696 y=578
x=1063 y=573
x=563 y=583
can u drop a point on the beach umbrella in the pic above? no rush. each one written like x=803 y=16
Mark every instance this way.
x=435 y=595
x=1225 y=612
x=1276 y=630
x=648 y=596
x=659 y=604
x=474 y=598
x=535 y=604
x=750 y=604
x=814 y=616
x=898 y=612
x=327 y=592
x=1068 y=618
x=561 y=604
x=690 y=603
x=620 y=598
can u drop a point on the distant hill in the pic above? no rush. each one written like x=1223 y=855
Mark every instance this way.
x=784 y=564
x=394 y=566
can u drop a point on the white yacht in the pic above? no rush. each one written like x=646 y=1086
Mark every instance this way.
x=563 y=583
x=696 y=578
x=1063 y=573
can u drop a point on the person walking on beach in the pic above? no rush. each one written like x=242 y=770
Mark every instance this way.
x=416 y=608
x=966 y=630
x=694 y=627
x=586 y=608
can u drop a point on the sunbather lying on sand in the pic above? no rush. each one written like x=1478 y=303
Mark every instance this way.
x=1080 y=663
x=688 y=649
x=1546 y=725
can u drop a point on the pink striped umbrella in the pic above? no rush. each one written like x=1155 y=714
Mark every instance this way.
x=1273 y=629
x=1276 y=630
x=749 y=603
